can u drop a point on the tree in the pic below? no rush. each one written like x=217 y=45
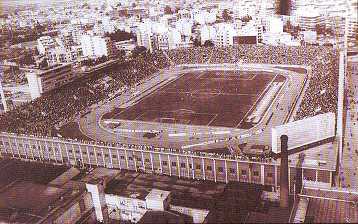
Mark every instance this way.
x=120 y=35
x=196 y=42
x=138 y=50
x=168 y=10
x=86 y=6
x=226 y=16
x=287 y=27
x=208 y=43
x=43 y=64
x=123 y=13
x=320 y=29
x=246 y=18
x=103 y=7
x=329 y=31
x=26 y=59
x=121 y=53
x=177 y=9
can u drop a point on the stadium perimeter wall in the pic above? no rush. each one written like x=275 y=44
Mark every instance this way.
x=305 y=132
x=154 y=160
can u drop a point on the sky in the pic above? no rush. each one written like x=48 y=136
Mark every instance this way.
x=27 y=2
x=8 y=4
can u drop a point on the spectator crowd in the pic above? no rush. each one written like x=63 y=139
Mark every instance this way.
x=321 y=96
x=41 y=116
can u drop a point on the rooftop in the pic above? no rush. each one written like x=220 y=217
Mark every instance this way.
x=322 y=156
x=12 y=170
x=100 y=174
x=154 y=194
x=28 y=200
x=184 y=192
x=165 y=217
x=331 y=206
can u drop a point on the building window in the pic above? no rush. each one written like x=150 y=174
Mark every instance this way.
x=198 y=167
x=231 y=170
x=122 y=157
x=256 y=173
x=182 y=165
x=174 y=164
x=114 y=156
x=147 y=160
x=243 y=172
x=208 y=168
x=221 y=169
x=165 y=163
x=269 y=175
x=130 y=158
x=139 y=159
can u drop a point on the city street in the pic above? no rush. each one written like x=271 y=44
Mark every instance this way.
x=350 y=150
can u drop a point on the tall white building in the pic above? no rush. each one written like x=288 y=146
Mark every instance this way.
x=225 y=33
x=204 y=17
x=184 y=26
x=246 y=8
x=352 y=22
x=61 y=54
x=308 y=17
x=332 y=13
x=144 y=33
x=44 y=80
x=153 y=36
x=96 y=46
x=104 y=25
x=274 y=25
x=207 y=33
x=45 y=43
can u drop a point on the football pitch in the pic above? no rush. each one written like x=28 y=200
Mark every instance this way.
x=205 y=98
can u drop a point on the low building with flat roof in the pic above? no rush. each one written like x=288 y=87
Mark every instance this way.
x=44 y=80
x=325 y=205
x=30 y=194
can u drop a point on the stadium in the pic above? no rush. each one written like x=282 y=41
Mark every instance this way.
x=190 y=104
x=202 y=113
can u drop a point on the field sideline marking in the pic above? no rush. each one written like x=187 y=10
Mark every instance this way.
x=212 y=120
x=256 y=101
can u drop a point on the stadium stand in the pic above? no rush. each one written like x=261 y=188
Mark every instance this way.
x=40 y=116
x=321 y=95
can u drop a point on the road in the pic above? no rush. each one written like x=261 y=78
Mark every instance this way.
x=349 y=171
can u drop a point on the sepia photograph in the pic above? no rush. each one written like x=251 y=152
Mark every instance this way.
x=178 y=111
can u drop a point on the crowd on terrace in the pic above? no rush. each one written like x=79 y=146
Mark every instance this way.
x=321 y=96
x=40 y=116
